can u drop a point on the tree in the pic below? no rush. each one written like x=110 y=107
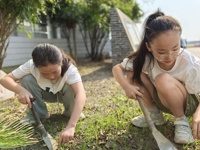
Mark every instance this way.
x=94 y=23
x=130 y=8
x=93 y=20
x=67 y=16
x=12 y=14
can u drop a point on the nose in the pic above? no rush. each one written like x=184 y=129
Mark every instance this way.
x=51 y=77
x=170 y=54
x=169 y=57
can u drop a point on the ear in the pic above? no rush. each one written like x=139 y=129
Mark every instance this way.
x=148 y=46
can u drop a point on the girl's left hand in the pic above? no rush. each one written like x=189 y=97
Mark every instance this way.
x=67 y=135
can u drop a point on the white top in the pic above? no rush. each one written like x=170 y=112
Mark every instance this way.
x=186 y=70
x=71 y=76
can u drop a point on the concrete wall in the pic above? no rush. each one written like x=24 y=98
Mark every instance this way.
x=124 y=41
x=20 y=48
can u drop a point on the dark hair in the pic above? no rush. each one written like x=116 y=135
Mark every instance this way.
x=45 y=54
x=156 y=24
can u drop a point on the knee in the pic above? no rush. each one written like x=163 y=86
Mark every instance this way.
x=67 y=88
x=27 y=80
x=162 y=80
x=144 y=78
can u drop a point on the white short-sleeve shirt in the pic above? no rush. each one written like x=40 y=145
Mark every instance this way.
x=71 y=76
x=186 y=70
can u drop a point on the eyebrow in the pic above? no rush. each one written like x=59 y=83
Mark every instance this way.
x=162 y=50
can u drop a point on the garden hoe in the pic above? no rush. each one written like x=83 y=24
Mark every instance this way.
x=163 y=143
x=48 y=139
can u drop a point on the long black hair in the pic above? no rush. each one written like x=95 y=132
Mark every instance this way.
x=156 y=24
x=45 y=54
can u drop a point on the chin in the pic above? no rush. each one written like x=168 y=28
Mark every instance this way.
x=169 y=62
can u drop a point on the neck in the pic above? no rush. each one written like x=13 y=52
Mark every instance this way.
x=54 y=81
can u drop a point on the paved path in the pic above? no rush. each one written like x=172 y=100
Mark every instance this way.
x=195 y=51
x=4 y=93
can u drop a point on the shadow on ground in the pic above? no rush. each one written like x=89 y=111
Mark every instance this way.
x=102 y=70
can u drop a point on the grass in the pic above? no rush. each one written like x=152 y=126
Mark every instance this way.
x=108 y=113
x=9 y=69
x=107 y=125
x=14 y=134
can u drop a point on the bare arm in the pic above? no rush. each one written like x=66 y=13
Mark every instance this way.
x=126 y=83
x=79 y=103
x=196 y=123
x=118 y=73
x=9 y=82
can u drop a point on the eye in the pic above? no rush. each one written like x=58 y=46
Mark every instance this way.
x=43 y=74
x=161 y=53
x=176 y=49
x=55 y=72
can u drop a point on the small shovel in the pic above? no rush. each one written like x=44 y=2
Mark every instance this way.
x=163 y=143
x=48 y=139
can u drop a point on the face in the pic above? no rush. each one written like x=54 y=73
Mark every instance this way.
x=51 y=71
x=166 y=47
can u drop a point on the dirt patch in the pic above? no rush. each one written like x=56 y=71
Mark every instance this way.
x=98 y=79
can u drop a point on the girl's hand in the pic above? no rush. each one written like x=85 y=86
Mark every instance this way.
x=24 y=97
x=67 y=135
x=133 y=91
x=196 y=125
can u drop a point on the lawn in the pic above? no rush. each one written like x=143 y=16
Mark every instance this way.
x=108 y=113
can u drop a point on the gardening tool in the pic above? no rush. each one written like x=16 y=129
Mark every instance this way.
x=48 y=139
x=163 y=143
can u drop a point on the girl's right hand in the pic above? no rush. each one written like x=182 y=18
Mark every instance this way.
x=24 y=97
x=133 y=91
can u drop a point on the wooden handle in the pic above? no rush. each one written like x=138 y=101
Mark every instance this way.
x=35 y=115
x=37 y=119
x=146 y=113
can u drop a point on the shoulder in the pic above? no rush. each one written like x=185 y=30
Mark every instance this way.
x=24 y=69
x=190 y=59
x=28 y=64
x=127 y=63
x=72 y=68
x=71 y=71
x=72 y=75
x=189 y=55
x=192 y=76
x=191 y=63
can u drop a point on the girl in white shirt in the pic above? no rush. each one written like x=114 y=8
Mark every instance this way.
x=49 y=76
x=166 y=76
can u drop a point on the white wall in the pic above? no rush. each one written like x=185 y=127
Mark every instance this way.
x=20 y=48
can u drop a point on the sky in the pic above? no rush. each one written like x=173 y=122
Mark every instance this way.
x=187 y=12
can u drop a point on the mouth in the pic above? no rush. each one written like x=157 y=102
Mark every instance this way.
x=168 y=61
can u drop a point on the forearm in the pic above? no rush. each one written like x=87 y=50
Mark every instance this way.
x=11 y=84
x=198 y=110
x=77 y=109
x=119 y=76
